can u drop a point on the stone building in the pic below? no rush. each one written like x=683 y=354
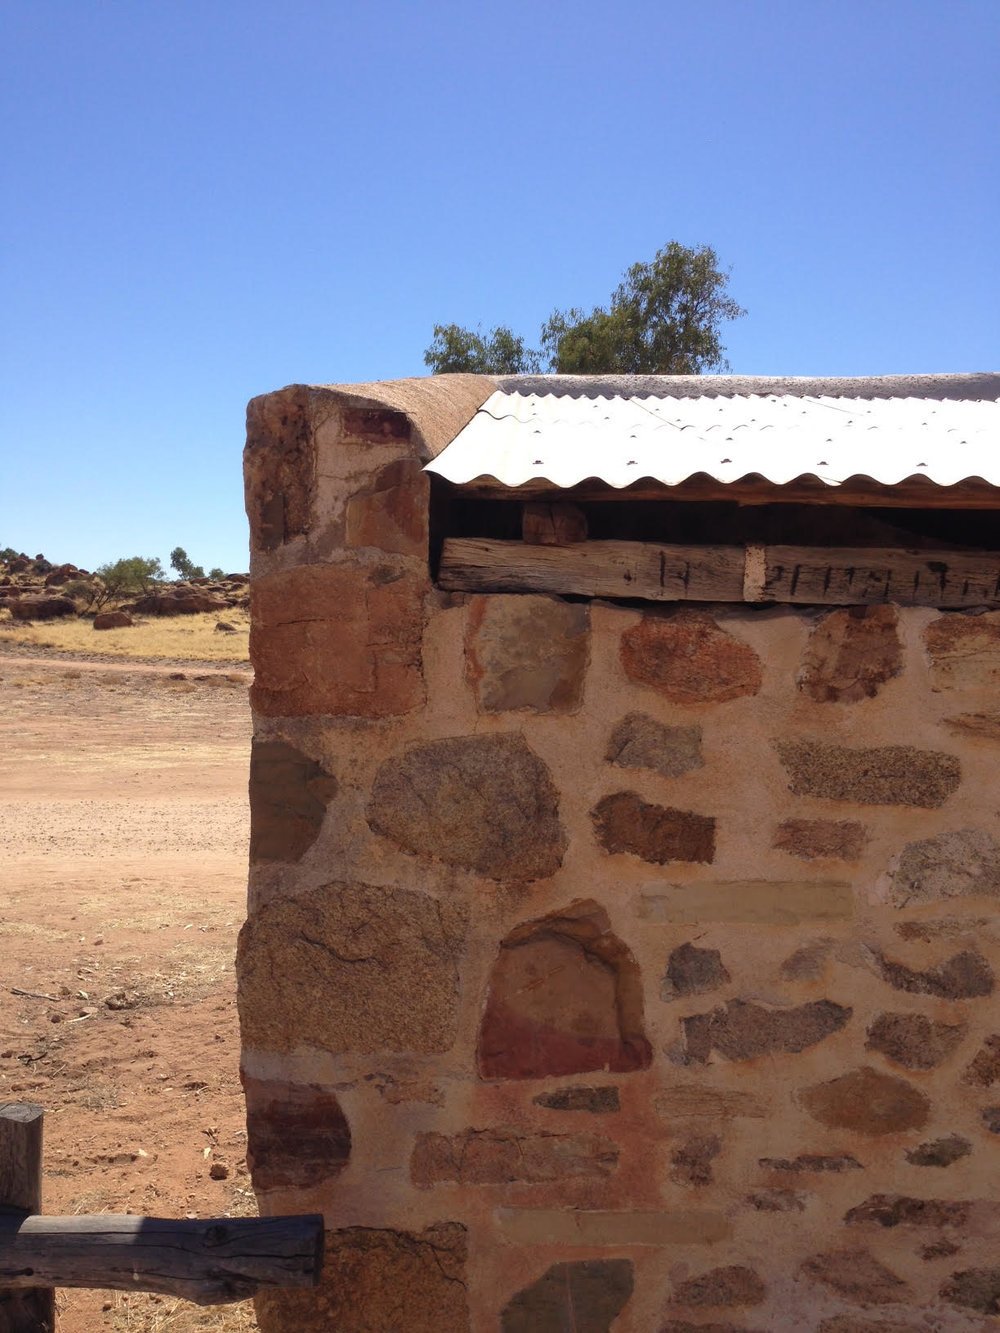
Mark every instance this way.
x=622 y=936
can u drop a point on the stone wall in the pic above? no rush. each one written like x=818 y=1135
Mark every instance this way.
x=606 y=968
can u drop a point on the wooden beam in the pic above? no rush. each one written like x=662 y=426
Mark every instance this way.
x=595 y=569
x=818 y=576
x=21 y=1192
x=913 y=493
x=212 y=1261
x=858 y=576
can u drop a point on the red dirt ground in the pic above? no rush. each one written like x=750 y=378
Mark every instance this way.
x=123 y=831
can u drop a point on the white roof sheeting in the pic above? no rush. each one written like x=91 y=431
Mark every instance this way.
x=568 y=434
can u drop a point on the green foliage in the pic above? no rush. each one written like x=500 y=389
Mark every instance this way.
x=81 y=590
x=216 y=573
x=664 y=318
x=130 y=577
x=185 y=569
x=8 y=554
x=499 y=352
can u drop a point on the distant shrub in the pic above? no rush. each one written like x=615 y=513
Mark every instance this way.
x=131 y=577
x=216 y=573
x=185 y=568
x=8 y=554
x=82 y=590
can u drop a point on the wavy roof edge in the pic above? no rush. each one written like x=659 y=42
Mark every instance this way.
x=979 y=387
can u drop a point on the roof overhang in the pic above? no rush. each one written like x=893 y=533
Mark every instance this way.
x=926 y=440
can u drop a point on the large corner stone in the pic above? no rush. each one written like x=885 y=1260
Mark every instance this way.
x=639 y=741
x=297 y=1134
x=582 y=1297
x=964 y=651
x=289 y=793
x=881 y=775
x=624 y=822
x=349 y=967
x=851 y=654
x=379 y=1281
x=525 y=652
x=279 y=467
x=688 y=659
x=485 y=803
x=964 y=863
x=392 y=513
x=340 y=640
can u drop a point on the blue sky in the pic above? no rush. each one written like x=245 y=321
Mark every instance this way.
x=205 y=201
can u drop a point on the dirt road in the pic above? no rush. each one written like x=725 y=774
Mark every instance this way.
x=123 y=831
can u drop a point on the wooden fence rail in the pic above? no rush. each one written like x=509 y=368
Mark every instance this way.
x=210 y=1261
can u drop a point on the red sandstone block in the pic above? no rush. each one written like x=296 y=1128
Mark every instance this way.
x=392 y=513
x=337 y=639
x=375 y=425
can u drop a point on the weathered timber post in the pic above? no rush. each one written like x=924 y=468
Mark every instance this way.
x=211 y=1261
x=30 y=1310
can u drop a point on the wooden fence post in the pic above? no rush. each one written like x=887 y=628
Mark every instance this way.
x=31 y=1311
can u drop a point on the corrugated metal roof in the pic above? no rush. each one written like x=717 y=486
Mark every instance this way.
x=945 y=428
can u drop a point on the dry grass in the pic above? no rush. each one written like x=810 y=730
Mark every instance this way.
x=137 y=1313
x=145 y=1312
x=170 y=637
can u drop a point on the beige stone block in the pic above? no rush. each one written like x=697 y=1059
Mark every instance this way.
x=851 y=653
x=379 y=1281
x=529 y=653
x=485 y=803
x=753 y=901
x=879 y=775
x=558 y=1226
x=964 y=652
x=349 y=967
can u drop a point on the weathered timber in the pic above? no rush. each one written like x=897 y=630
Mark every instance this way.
x=21 y=1192
x=555 y=524
x=210 y=1261
x=855 y=575
x=914 y=493
x=818 y=576
x=595 y=569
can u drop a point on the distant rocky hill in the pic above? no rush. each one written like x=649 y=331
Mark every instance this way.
x=33 y=588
